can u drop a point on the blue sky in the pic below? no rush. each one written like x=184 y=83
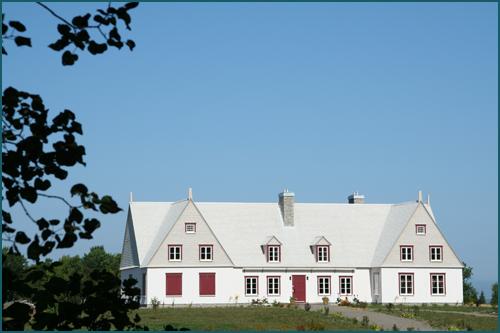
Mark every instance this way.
x=240 y=101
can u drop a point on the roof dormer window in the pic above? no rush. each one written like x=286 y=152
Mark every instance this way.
x=273 y=253
x=322 y=253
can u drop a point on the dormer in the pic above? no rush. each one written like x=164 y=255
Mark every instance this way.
x=320 y=247
x=272 y=249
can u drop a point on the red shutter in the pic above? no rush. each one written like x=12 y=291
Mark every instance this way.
x=174 y=284
x=207 y=284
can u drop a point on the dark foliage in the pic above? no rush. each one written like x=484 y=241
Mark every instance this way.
x=470 y=293
x=36 y=152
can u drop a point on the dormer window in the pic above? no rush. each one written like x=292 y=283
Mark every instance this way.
x=190 y=228
x=322 y=253
x=420 y=229
x=273 y=253
x=406 y=252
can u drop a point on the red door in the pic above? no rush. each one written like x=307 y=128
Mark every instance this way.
x=207 y=284
x=299 y=287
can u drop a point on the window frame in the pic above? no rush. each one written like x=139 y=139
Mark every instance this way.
x=211 y=246
x=279 y=284
x=327 y=247
x=440 y=247
x=268 y=252
x=329 y=278
x=171 y=246
x=420 y=225
x=256 y=285
x=444 y=283
x=190 y=224
x=351 y=285
x=406 y=286
x=401 y=247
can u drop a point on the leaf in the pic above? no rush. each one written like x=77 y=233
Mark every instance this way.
x=108 y=205
x=29 y=193
x=18 y=26
x=124 y=16
x=3 y=51
x=81 y=21
x=79 y=189
x=131 y=5
x=68 y=240
x=22 y=41
x=95 y=48
x=75 y=215
x=34 y=249
x=21 y=238
x=60 y=44
x=64 y=29
x=131 y=44
x=6 y=217
x=42 y=185
x=5 y=28
x=46 y=234
x=90 y=225
x=42 y=224
x=68 y=58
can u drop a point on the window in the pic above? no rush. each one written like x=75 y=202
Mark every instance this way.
x=273 y=285
x=420 y=229
x=322 y=254
x=207 y=284
x=406 y=252
x=173 y=284
x=251 y=285
x=406 y=284
x=438 y=284
x=206 y=252
x=273 y=253
x=190 y=228
x=323 y=285
x=345 y=285
x=174 y=252
x=436 y=253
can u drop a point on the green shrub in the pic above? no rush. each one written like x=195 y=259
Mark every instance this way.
x=365 y=321
x=307 y=306
x=155 y=303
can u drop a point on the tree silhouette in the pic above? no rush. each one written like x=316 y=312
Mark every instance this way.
x=36 y=152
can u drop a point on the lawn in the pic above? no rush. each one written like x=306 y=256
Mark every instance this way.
x=446 y=316
x=245 y=318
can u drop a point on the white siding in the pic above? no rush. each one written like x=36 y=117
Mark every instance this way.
x=422 y=293
x=230 y=285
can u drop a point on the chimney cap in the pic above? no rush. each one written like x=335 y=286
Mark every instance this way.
x=356 y=195
x=286 y=193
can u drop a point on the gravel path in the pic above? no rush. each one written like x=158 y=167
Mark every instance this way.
x=381 y=319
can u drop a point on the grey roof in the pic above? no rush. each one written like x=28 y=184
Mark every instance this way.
x=361 y=234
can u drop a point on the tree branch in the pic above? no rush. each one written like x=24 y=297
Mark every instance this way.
x=57 y=197
x=55 y=14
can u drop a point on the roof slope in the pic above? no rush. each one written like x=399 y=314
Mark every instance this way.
x=360 y=234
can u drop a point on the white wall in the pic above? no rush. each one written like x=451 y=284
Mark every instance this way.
x=422 y=293
x=229 y=284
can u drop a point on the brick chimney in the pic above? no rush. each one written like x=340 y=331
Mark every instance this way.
x=286 y=203
x=356 y=198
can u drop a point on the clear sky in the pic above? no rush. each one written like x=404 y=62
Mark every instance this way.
x=240 y=101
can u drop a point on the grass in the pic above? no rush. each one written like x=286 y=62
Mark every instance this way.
x=245 y=318
x=435 y=316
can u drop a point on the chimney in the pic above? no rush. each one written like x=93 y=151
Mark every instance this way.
x=419 y=196
x=356 y=198
x=286 y=202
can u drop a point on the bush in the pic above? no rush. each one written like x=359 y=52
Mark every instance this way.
x=276 y=304
x=155 y=303
x=344 y=302
x=408 y=315
x=395 y=328
x=307 y=306
x=326 y=310
x=365 y=321
x=169 y=327
x=390 y=307
x=325 y=300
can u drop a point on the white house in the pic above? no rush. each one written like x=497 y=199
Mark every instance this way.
x=189 y=252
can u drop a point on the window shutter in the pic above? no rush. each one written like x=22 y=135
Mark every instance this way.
x=207 y=284
x=174 y=284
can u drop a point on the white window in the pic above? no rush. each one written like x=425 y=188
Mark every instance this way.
x=273 y=253
x=206 y=252
x=323 y=255
x=437 y=284
x=420 y=229
x=405 y=284
x=323 y=285
x=345 y=285
x=436 y=253
x=251 y=285
x=407 y=253
x=174 y=253
x=273 y=285
x=190 y=228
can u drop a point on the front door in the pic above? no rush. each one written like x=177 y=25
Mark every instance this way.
x=299 y=287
